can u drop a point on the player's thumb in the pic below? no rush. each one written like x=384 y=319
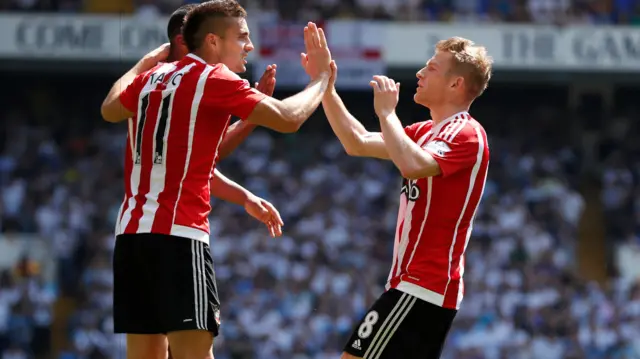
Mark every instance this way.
x=303 y=59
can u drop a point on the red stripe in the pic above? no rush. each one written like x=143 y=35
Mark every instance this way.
x=177 y=147
x=193 y=210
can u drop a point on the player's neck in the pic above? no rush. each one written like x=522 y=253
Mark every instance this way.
x=207 y=56
x=441 y=113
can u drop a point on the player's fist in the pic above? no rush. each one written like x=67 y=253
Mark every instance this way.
x=267 y=83
x=266 y=213
x=317 y=58
x=386 y=93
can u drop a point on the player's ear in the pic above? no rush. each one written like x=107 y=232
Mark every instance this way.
x=179 y=39
x=212 y=39
x=458 y=82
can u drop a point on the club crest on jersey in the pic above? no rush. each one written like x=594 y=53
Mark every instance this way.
x=440 y=148
x=410 y=189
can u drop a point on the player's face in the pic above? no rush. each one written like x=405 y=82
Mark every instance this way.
x=434 y=80
x=236 y=45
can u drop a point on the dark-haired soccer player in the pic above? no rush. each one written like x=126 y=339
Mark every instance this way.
x=163 y=272
x=237 y=132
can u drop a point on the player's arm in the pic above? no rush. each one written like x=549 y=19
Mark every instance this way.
x=355 y=138
x=238 y=132
x=113 y=109
x=412 y=161
x=288 y=115
x=225 y=189
x=235 y=135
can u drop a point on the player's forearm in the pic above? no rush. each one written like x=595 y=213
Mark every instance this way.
x=299 y=107
x=346 y=127
x=412 y=161
x=225 y=189
x=236 y=134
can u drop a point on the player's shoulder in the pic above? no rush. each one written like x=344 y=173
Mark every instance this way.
x=222 y=72
x=221 y=75
x=462 y=128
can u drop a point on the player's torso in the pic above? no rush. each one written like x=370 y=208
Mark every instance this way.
x=173 y=142
x=435 y=221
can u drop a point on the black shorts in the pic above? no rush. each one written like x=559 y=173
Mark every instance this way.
x=163 y=284
x=399 y=325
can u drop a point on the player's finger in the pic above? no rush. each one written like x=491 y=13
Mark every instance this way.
x=323 y=38
x=303 y=59
x=274 y=212
x=307 y=38
x=255 y=85
x=314 y=34
x=375 y=86
x=380 y=81
x=398 y=86
x=391 y=84
x=278 y=230
x=272 y=231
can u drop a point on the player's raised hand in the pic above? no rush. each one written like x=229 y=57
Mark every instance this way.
x=267 y=83
x=386 y=94
x=266 y=213
x=317 y=58
x=155 y=56
x=334 y=75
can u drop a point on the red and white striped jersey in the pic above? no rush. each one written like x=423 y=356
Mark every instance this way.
x=436 y=214
x=182 y=110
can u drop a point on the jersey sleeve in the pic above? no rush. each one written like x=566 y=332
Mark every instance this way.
x=412 y=130
x=457 y=153
x=129 y=97
x=227 y=91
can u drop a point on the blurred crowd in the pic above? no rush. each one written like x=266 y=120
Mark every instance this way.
x=299 y=296
x=522 y=11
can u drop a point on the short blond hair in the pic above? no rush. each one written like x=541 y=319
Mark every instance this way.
x=471 y=61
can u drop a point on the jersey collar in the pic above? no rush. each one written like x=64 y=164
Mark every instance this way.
x=196 y=57
x=441 y=125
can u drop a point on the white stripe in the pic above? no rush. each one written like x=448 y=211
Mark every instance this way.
x=404 y=212
x=446 y=129
x=472 y=180
x=405 y=311
x=196 y=294
x=134 y=181
x=454 y=132
x=422 y=293
x=475 y=210
x=384 y=325
x=192 y=126
x=205 y=301
x=376 y=348
x=190 y=232
x=424 y=221
x=159 y=172
x=396 y=241
x=406 y=228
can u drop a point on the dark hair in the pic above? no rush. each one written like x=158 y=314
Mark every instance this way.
x=176 y=21
x=206 y=19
